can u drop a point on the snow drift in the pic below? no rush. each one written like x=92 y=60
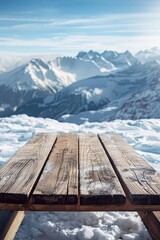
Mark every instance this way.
x=142 y=135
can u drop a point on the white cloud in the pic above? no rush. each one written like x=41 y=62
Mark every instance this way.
x=111 y=24
x=108 y=19
x=74 y=43
x=24 y=19
x=116 y=31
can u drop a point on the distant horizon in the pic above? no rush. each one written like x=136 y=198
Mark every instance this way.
x=48 y=55
x=63 y=27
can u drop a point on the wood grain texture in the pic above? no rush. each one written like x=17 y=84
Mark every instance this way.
x=59 y=181
x=140 y=181
x=77 y=207
x=18 y=176
x=98 y=181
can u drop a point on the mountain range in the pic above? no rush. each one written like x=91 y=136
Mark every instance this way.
x=91 y=86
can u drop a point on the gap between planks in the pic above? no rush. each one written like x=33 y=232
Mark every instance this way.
x=140 y=181
x=27 y=163
x=98 y=181
x=58 y=183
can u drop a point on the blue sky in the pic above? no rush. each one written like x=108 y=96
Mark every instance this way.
x=68 y=26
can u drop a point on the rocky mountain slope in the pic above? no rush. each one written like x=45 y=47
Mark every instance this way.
x=140 y=101
x=112 y=84
x=129 y=94
x=38 y=78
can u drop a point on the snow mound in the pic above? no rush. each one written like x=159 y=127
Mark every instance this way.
x=142 y=135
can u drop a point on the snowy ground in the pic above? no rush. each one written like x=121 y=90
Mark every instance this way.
x=142 y=135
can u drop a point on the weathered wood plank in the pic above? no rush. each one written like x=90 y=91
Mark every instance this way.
x=19 y=175
x=98 y=181
x=59 y=181
x=77 y=207
x=152 y=223
x=9 y=223
x=140 y=181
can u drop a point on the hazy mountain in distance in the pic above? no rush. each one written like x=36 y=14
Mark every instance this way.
x=36 y=79
x=91 y=81
x=120 y=92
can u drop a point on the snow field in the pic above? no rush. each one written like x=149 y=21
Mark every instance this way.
x=142 y=135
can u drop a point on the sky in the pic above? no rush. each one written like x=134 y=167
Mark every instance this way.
x=65 y=27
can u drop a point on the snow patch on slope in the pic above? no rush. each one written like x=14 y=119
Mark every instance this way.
x=148 y=55
x=36 y=75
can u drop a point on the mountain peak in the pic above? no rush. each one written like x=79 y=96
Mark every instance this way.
x=38 y=62
x=109 y=54
x=81 y=54
x=39 y=79
x=87 y=55
x=128 y=53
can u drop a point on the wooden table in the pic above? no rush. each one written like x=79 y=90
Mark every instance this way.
x=71 y=172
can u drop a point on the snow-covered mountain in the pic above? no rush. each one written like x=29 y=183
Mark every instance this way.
x=36 y=74
x=140 y=101
x=109 y=60
x=36 y=79
x=82 y=96
x=149 y=55
x=117 y=85
x=89 y=64
x=10 y=62
x=129 y=94
x=145 y=103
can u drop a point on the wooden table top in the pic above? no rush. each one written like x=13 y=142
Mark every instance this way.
x=78 y=172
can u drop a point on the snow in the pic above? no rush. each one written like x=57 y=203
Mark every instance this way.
x=125 y=85
x=142 y=135
x=36 y=74
x=31 y=72
x=79 y=67
x=86 y=94
x=3 y=107
x=108 y=60
x=148 y=55
x=119 y=85
x=131 y=94
x=10 y=62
